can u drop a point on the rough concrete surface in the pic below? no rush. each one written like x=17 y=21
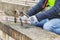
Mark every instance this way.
x=35 y=33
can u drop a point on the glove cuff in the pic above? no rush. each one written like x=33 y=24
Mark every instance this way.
x=32 y=19
x=35 y=18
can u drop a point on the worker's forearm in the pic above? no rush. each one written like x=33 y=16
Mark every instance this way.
x=52 y=13
x=37 y=8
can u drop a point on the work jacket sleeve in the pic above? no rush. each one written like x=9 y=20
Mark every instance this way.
x=54 y=12
x=37 y=8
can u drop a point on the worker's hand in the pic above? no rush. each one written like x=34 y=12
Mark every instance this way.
x=24 y=19
x=32 y=19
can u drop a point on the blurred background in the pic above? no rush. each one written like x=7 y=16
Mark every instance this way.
x=8 y=6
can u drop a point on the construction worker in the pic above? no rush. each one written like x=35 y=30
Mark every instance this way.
x=49 y=19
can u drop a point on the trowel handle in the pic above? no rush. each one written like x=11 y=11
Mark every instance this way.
x=21 y=22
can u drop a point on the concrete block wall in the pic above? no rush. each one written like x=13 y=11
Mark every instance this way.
x=9 y=8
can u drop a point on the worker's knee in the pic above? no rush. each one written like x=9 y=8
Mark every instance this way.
x=52 y=25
